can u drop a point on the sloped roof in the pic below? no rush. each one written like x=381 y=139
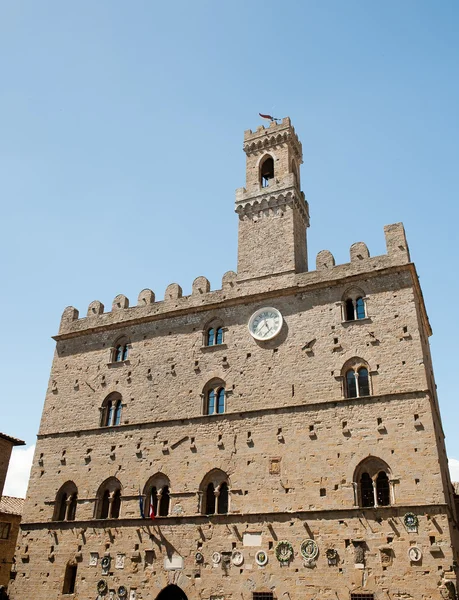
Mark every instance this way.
x=11 y=505
x=13 y=440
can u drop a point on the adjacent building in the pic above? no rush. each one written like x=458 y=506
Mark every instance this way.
x=10 y=513
x=278 y=438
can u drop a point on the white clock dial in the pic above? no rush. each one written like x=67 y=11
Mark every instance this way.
x=265 y=323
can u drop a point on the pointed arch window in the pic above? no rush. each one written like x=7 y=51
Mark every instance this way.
x=108 y=504
x=111 y=410
x=66 y=502
x=266 y=171
x=157 y=496
x=214 y=333
x=373 y=483
x=215 y=493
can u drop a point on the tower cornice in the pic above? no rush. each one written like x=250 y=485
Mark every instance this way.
x=249 y=206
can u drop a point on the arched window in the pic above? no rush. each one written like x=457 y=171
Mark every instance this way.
x=70 y=578
x=111 y=410
x=372 y=482
x=215 y=493
x=120 y=351
x=213 y=335
x=266 y=171
x=66 y=502
x=214 y=397
x=157 y=496
x=356 y=379
x=108 y=503
x=354 y=306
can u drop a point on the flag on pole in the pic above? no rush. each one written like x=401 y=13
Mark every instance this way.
x=151 y=511
x=266 y=117
x=141 y=505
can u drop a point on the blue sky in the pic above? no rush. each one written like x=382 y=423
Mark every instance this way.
x=121 y=149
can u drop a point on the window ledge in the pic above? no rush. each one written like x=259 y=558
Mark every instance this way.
x=118 y=363
x=365 y=320
x=214 y=347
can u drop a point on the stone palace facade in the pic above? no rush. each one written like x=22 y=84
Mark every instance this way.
x=281 y=435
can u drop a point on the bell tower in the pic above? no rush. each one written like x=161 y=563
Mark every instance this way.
x=273 y=212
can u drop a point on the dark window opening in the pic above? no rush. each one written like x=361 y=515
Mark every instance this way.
x=105 y=505
x=382 y=489
x=211 y=336
x=62 y=508
x=223 y=499
x=267 y=171
x=116 y=505
x=262 y=596
x=4 y=530
x=366 y=490
x=362 y=596
x=164 y=502
x=69 y=579
x=350 y=310
x=210 y=500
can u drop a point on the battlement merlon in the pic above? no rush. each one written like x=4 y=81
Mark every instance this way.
x=234 y=291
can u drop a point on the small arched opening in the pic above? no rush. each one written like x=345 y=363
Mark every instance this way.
x=266 y=171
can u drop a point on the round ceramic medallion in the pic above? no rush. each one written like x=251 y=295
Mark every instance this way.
x=237 y=558
x=199 y=558
x=410 y=520
x=101 y=586
x=261 y=558
x=122 y=591
x=284 y=551
x=105 y=562
x=216 y=558
x=415 y=554
x=309 y=549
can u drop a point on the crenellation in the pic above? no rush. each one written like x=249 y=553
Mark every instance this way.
x=95 y=308
x=120 y=302
x=145 y=297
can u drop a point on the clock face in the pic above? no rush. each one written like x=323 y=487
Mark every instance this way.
x=265 y=323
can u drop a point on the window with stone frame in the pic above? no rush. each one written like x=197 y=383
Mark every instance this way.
x=120 y=350
x=354 y=305
x=214 y=396
x=356 y=378
x=213 y=334
x=111 y=410
x=5 y=529
x=214 y=491
x=157 y=496
x=66 y=502
x=372 y=482
x=108 y=500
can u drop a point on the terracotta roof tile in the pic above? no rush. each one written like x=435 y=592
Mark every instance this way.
x=11 y=505
x=15 y=441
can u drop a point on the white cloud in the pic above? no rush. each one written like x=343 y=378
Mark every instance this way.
x=19 y=471
x=453 y=464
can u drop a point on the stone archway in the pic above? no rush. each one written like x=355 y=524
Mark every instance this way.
x=171 y=592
